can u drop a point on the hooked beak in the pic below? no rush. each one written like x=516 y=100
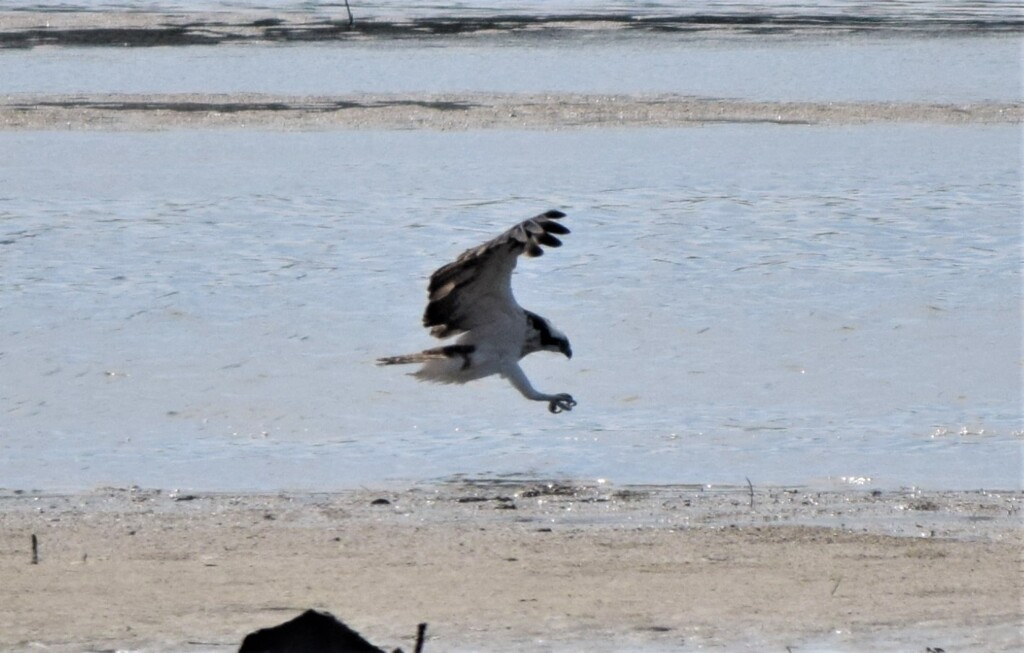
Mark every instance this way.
x=567 y=350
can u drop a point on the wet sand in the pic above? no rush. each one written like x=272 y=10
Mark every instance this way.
x=26 y=29
x=518 y=566
x=458 y=112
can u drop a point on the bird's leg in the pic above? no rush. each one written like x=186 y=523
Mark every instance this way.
x=556 y=403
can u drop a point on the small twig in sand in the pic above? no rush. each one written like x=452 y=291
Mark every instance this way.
x=750 y=486
x=421 y=634
x=351 y=21
x=838 y=580
x=35 y=549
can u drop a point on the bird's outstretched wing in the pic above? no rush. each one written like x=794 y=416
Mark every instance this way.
x=466 y=292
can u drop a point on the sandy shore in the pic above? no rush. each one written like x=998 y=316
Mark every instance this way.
x=518 y=567
x=458 y=112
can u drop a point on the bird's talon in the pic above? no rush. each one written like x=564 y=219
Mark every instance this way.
x=561 y=403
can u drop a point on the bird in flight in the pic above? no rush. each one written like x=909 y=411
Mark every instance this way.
x=472 y=298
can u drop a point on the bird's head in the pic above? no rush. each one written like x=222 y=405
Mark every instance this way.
x=546 y=337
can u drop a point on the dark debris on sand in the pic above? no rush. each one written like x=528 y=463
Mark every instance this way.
x=314 y=632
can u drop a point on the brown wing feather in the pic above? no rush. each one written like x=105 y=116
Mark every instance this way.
x=486 y=269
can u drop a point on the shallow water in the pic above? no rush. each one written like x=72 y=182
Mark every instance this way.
x=841 y=50
x=883 y=69
x=792 y=305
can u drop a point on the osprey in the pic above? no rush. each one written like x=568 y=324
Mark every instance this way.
x=472 y=297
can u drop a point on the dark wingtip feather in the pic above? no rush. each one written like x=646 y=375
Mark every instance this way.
x=549 y=240
x=554 y=214
x=533 y=249
x=556 y=228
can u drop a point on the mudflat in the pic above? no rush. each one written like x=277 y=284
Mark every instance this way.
x=153 y=112
x=503 y=566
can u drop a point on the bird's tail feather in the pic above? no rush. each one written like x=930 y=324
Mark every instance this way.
x=438 y=353
x=406 y=359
